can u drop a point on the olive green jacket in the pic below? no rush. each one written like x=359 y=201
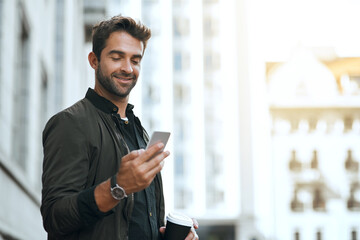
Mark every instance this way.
x=82 y=148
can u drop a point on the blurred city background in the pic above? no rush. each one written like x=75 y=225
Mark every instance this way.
x=262 y=98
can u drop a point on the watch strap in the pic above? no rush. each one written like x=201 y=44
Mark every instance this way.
x=113 y=181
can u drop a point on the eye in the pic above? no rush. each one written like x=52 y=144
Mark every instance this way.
x=135 y=61
x=115 y=59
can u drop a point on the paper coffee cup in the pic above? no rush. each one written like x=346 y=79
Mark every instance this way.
x=177 y=226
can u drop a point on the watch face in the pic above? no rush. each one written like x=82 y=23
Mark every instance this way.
x=118 y=193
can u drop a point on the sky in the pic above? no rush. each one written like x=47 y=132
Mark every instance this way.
x=280 y=25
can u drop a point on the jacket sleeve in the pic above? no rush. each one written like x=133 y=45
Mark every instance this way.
x=66 y=205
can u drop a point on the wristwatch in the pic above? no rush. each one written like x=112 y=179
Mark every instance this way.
x=116 y=191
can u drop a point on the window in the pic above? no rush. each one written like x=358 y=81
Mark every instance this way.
x=350 y=164
x=181 y=61
x=211 y=61
x=88 y=32
x=182 y=197
x=182 y=93
x=179 y=130
x=216 y=163
x=312 y=124
x=319 y=203
x=294 y=164
x=297 y=236
x=214 y=195
x=179 y=134
x=318 y=235
x=296 y=204
x=21 y=94
x=211 y=27
x=179 y=164
x=209 y=84
x=354 y=234
x=181 y=26
x=93 y=11
x=353 y=203
x=348 y=122
x=314 y=161
x=177 y=61
x=151 y=94
x=294 y=123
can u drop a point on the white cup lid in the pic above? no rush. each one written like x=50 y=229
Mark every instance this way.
x=180 y=219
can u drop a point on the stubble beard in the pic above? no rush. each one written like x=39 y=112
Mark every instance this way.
x=110 y=85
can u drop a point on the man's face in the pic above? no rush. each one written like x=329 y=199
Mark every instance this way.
x=119 y=65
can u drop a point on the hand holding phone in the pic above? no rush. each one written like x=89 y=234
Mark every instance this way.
x=157 y=137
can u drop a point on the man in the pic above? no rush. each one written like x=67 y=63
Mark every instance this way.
x=98 y=181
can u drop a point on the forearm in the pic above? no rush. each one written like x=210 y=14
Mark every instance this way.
x=104 y=201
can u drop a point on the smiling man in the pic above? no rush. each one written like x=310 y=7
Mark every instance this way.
x=98 y=181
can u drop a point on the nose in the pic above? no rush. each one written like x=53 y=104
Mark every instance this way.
x=126 y=66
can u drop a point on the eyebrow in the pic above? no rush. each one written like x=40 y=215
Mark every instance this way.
x=123 y=53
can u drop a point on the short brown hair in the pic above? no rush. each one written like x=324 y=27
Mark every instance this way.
x=102 y=31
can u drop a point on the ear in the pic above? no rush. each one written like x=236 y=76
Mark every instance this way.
x=93 y=60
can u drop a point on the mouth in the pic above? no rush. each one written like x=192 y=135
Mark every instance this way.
x=123 y=78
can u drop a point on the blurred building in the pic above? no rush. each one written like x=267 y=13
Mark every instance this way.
x=206 y=114
x=40 y=73
x=315 y=110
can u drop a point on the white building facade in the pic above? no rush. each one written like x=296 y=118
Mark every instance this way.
x=315 y=109
x=40 y=74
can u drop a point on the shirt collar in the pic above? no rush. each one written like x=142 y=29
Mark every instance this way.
x=103 y=104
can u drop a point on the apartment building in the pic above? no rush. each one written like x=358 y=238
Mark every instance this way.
x=315 y=110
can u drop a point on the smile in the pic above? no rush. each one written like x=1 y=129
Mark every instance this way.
x=123 y=78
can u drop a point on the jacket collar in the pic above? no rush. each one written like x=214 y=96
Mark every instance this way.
x=103 y=104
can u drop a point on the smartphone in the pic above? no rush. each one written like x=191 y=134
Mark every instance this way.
x=158 y=136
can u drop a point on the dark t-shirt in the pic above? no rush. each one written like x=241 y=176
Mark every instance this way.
x=143 y=223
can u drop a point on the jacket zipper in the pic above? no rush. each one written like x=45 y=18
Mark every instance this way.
x=131 y=204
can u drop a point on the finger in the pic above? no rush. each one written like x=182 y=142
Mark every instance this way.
x=150 y=152
x=195 y=223
x=195 y=236
x=153 y=167
x=156 y=163
x=132 y=155
x=190 y=236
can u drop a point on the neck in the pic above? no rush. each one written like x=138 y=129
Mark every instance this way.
x=121 y=103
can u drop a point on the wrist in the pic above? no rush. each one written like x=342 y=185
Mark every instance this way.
x=117 y=192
